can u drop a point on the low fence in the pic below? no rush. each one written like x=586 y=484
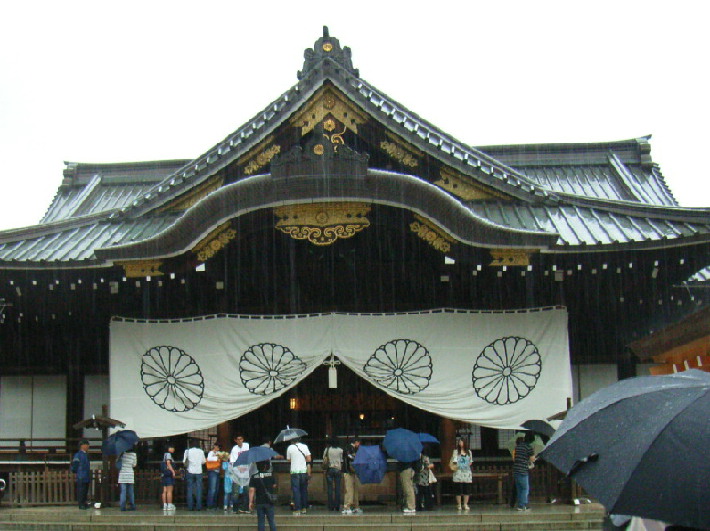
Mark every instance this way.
x=57 y=487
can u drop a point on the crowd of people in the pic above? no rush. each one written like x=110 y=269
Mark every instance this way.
x=248 y=488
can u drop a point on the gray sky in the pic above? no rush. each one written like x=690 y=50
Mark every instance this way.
x=115 y=82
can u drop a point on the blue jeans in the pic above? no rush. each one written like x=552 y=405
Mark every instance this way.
x=127 y=492
x=264 y=511
x=194 y=488
x=333 y=478
x=299 y=489
x=522 y=486
x=212 y=488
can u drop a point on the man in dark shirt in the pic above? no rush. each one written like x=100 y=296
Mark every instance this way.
x=350 y=479
x=81 y=466
x=261 y=489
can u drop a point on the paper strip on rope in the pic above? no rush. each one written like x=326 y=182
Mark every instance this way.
x=496 y=369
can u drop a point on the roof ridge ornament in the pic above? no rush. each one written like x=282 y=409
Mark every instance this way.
x=327 y=47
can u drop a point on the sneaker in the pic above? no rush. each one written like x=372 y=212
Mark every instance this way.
x=357 y=510
x=165 y=507
x=410 y=511
x=347 y=511
x=520 y=509
x=171 y=507
x=297 y=513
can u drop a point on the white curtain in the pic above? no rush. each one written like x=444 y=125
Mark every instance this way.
x=495 y=369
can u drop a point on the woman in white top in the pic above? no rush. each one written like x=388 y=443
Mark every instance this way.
x=461 y=462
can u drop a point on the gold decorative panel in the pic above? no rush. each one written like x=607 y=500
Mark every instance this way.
x=214 y=242
x=261 y=159
x=510 y=257
x=322 y=223
x=185 y=201
x=328 y=101
x=431 y=234
x=401 y=151
x=464 y=187
x=141 y=268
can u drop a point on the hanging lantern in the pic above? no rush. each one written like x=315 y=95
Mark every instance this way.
x=332 y=371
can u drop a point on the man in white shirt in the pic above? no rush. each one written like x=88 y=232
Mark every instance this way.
x=300 y=457
x=242 y=472
x=193 y=460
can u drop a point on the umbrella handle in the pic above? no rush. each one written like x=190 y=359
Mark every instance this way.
x=591 y=458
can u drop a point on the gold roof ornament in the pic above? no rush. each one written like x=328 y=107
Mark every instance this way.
x=510 y=257
x=326 y=104
x=141 y=268
x=214 y=242
x=431 y=234
x=322 y=223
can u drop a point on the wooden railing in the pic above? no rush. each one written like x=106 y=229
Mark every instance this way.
x=56 y=487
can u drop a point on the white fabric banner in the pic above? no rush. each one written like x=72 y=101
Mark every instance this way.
x=496 y=369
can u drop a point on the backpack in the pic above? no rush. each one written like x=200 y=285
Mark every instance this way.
x=164 y=470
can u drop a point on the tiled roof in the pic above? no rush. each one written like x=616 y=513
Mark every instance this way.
x=70 y=243
x=589 y=226
x=619 y=170
x=92 y=188
x=583 y=194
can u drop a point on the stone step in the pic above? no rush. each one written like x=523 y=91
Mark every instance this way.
x=244 y=526
x=485 y=518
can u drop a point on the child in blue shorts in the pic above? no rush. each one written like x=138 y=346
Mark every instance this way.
x=168 y=479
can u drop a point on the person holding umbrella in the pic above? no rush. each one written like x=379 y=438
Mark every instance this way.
x=261 y=495
x=126 y=479
x=81 y=466
x=524 y=458
x=300 y=457
x=351 y=479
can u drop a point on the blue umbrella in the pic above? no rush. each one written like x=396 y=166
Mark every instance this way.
x=427 y=438
x=119 y=442
x=254 y=455
x=403 y=445
x=370 y=464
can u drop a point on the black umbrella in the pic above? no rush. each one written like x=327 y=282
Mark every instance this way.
x=640 y=446
x=539 y=426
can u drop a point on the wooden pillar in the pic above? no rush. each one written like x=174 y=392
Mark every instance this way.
x=448 y=439
x=224 y=435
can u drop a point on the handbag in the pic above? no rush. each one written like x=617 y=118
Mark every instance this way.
x=272 y=497
x=213 y=465
x=432 y=477
x=326 y=461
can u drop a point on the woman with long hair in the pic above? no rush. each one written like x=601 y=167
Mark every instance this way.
x=333 y=468
x=461 y=462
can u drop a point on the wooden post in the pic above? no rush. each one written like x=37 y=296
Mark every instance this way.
x=448 y=439
x=224 y=435
x=105 y=469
